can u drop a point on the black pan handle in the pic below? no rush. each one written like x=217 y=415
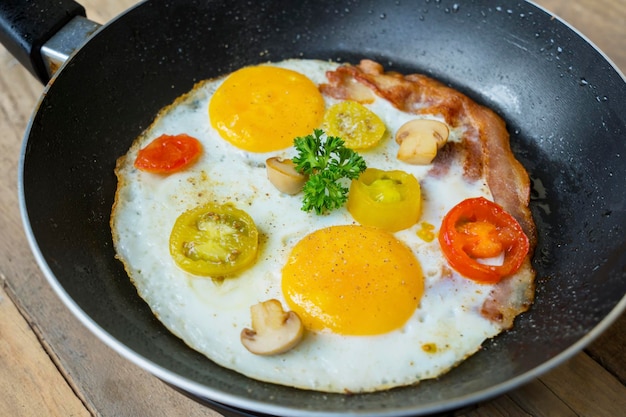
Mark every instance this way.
x=26 y=25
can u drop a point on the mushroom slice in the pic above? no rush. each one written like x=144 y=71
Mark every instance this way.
x=420 y=139
x=283 y=174
x=274 y=331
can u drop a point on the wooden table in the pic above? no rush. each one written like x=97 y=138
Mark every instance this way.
x=50 y=365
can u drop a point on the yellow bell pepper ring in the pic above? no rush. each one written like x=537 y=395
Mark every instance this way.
x=390 y=200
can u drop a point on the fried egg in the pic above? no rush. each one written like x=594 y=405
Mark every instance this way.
x=388 y=312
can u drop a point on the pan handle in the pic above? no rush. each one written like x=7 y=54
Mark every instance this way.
x=36 y=32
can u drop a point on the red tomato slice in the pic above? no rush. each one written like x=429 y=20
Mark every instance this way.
x=477 y=228
x=167 y=154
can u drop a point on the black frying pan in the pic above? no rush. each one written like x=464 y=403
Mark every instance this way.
x=563 y=102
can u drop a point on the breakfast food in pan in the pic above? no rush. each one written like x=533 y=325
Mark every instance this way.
x=328 y=227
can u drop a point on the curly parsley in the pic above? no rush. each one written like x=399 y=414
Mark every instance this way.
x=326 y=161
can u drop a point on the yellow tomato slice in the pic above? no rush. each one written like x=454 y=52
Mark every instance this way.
x=358 y=126
x=390 y=200
x=214 y=240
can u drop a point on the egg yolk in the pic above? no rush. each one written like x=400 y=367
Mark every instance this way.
x=352 y=280
x=263 y=108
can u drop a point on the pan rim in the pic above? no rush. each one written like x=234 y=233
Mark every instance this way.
x=196 y=388
x=584 y=37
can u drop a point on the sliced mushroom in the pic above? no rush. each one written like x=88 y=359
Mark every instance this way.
x=420 y=139
x=283 y=174
x=274 y=331
x=417 y=151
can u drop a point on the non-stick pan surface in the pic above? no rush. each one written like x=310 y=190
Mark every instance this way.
x=563 y=103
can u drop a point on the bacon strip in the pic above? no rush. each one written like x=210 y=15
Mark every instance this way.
x=484 y=151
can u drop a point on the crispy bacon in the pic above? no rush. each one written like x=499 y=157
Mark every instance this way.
x=484 y=152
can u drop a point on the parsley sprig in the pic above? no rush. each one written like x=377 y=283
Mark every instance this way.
x=326 y=161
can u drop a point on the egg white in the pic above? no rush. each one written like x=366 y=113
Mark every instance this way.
x=210 y=314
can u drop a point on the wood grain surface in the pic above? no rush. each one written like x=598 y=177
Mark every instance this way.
x=51 y=365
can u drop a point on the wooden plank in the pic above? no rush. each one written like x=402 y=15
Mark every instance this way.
x=589 y=388
x=502 y=406
x=608 y=349
x=113 y=386
x=109 y=383
x=597 y=20
x=30 y=382
x=581 y=387
x=537 y=400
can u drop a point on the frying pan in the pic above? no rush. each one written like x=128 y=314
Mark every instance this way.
x=562 y=100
